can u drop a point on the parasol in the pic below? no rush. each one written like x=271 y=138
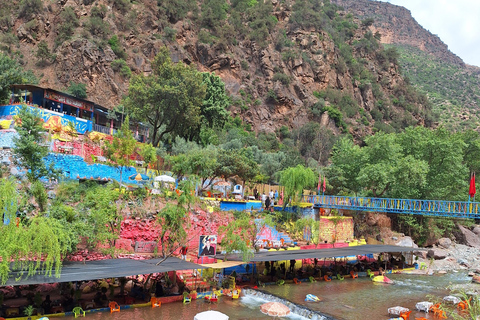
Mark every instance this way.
x=210 y=315
x=275 y=309
x=165 y=178
x=138 y=177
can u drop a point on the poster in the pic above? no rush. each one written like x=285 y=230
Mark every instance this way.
x=207 y=246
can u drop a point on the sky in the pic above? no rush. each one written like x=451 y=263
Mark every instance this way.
x=456 y=22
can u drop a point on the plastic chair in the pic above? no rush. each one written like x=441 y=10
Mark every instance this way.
x=155 y=302
x=370 y=273
x=353 y=274
x=405 y=315
x=465 y=304
x=78 y=311
x=327 y=278
x=114 y=307
x=312 y=279
x=340 y=277
x=295 y=280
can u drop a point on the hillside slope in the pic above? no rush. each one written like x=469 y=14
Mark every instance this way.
x=451 y=85
x=283 y=63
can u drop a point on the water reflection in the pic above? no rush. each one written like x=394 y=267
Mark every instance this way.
x=350 y=299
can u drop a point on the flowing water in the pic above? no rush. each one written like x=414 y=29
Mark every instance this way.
x=350 y=299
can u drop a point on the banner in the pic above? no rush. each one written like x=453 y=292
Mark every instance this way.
x=207 y=246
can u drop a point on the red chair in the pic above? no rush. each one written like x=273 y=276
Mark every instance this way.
x=295 y=280
x=327 y=278
x=405 y=315
x=353 y=274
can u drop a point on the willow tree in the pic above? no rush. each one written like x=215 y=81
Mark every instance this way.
x=35 y=245
x=295 y=180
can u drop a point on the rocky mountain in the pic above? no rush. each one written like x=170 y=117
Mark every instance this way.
x=283 y=63
x=452 y=86
x=397 y=26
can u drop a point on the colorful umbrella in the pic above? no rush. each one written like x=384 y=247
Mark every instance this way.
x=275 y=309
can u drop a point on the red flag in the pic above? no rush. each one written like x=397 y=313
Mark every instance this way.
x=324 y=184
x=472 y=190
x=319 y=182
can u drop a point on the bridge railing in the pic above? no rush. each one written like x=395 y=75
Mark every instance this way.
x=407 y=206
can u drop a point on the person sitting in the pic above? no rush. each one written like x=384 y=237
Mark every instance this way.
x=47 y=305
x=100 y=298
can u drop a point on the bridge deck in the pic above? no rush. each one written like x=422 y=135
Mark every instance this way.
x=438 y=208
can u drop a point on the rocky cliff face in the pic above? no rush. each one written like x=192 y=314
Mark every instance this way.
x=270 y=86
x=397 y=26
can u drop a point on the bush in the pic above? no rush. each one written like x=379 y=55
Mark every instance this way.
x=116 y=46
x=67 y=25
x=122 y=5
x=282 y=77
x=78 y=90
x=30 y=7
x=336 y=116
x=272 y=96
x=169 y=33
x=121 y=66
x=244 y=65
x=97 y=27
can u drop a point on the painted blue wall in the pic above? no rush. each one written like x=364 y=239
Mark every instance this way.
x=81 y=125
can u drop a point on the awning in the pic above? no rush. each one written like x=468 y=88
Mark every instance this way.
x=321 y=253
x=102 y=269
x=221 y=265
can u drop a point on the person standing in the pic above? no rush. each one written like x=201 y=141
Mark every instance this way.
x=183 y=252
x=267 y=203
x=264 y=197
x=271 y=194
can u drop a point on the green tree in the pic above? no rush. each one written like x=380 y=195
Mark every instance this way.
x=78 y=90
x=29 y=145
x=43 y=53
x=295 y=180
x=11 y=73
x=121 y=148
x=169 y=99
x=148 y=154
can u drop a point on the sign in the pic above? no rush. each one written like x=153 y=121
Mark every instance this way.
x=70 y=101
x=145 y=246
x=207 y=246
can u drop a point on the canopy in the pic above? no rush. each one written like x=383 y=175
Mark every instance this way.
x=221 y=265
x=320 y=253
x=165 y=178
x=109 y=268
x=210 y=315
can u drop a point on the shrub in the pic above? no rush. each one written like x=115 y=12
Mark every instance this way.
x=117 y=47
x=30 y=7
x=244 y=65
x=272 y=96
x=97 y=27
x=78 y=90
x=121 y=66
x=282 y=77
x=169 y=33
x=68 y=22
x=122 y=5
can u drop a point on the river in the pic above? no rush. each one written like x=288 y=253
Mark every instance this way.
x=350 y=299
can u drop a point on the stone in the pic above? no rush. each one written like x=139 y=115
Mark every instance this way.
x=467 y=237
x=421 y=254
x=444 y=243
x=476 y=230
x=437 y=254
x=407 y=242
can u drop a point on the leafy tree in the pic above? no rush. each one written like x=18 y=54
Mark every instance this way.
x=295 y=180
x=148 y=154
x=29 y=146
x=43 y=53
x=121 y=148
x=169 y=99
x=240 y=235
x=78 y=90
x=10 y=73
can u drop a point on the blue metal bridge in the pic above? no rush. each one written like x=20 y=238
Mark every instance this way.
x=436 y=208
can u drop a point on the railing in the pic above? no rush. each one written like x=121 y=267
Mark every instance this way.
x=102 y=129
x=455 y=209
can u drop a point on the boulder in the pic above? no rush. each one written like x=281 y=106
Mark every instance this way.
x=467 y=237
x=444 y=243
x=421 y=254
x=476 y=230
x=407 y=242
x=437 y=254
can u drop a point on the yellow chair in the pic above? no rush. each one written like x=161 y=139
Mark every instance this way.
x=114 y=307
x=78 y=311
x=370 y=273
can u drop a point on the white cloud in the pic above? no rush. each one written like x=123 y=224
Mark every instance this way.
x=456 y=22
